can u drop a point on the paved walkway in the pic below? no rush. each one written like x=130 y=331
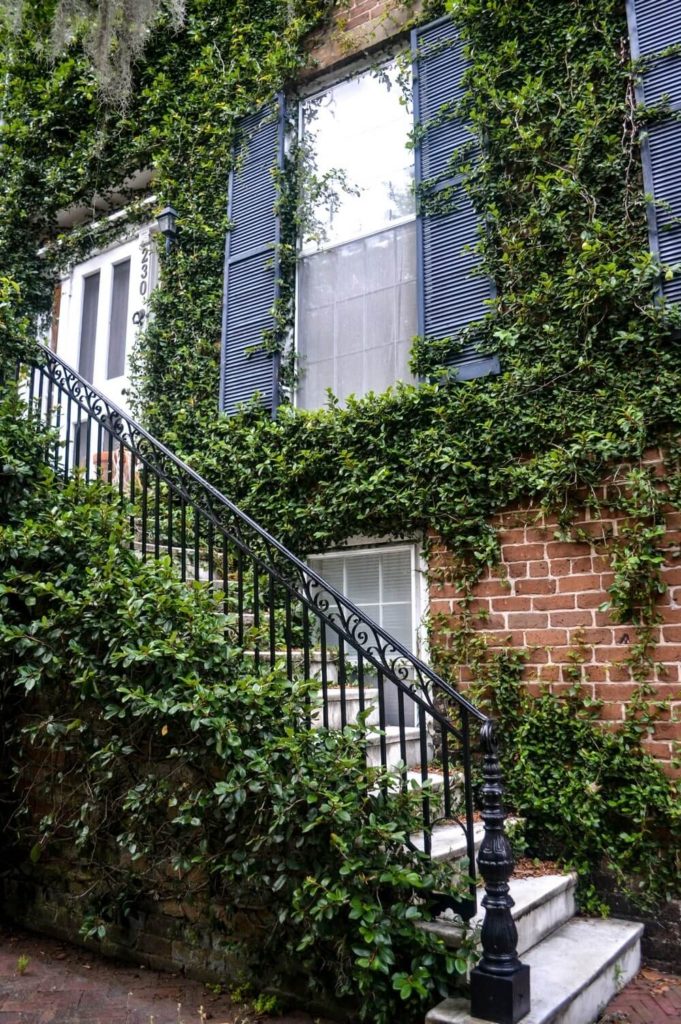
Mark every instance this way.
x=61 y=984
x=651 y=998
x=47 y=982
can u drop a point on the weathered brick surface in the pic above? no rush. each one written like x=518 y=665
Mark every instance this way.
x=64 y=985
x=651 y=998
x=358 y=27
x=546 y=596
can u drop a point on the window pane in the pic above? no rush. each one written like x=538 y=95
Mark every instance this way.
x=380 y=583
x=88 y=326
x=363 y=579
x=356 y=316
x=118 y=325
x=397 y=581
x=356 y=135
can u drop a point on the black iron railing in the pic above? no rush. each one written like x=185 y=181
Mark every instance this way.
x=282 y=612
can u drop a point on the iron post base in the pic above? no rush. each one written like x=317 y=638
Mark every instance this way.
x=503 y=999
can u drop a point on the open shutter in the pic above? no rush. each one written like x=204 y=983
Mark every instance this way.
x=251 y=270
x=655 y=25
x=451 y=296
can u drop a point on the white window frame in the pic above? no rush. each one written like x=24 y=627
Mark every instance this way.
x=131 y=246
x=362 y=546
x=317 y=89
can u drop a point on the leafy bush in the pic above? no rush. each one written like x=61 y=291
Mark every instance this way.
x=591 y=798
x=172 y=771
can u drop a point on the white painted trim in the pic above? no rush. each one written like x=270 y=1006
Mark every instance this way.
x=358 y=546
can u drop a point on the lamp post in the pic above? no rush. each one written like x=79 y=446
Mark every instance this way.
x=167 y=225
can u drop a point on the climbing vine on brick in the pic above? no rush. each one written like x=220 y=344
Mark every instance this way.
x=589 y=359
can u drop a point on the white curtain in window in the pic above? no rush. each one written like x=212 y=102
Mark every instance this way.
x=357 y=316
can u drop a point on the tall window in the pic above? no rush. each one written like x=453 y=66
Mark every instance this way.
x=88 y=326
x=356 y=309
x=118 y=323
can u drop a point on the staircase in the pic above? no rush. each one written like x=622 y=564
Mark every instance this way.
x=577 y=964
x=282 y=614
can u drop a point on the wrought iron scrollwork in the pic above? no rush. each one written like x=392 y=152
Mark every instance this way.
x=435 y=703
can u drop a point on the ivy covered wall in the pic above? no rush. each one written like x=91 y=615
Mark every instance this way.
x=589 y=359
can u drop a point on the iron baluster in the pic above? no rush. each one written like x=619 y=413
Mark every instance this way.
x=210 y=553
x=341 y=682
x=288 y=634
x=383 y=742
x=425 y=803
x=133 y=487
x=121 y=471
x=402 y=727
x=169 y=539
x=273 y=635
x=183 y=540
x=145 y=511
x=446 y=781
x=306 y=659
x=157 y=517
x=306 y=642
x=256 y=616
x=88 y=452
x=31 y=391
x=325 y=682
x=240 y=596
x=225 y=577
x=360 y=683
x=100 y=453
x=57 y=427
x=109 y=462
x=197 y=545
x=67 y=446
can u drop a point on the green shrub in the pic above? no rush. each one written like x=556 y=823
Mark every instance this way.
x=169 y=765
x=591 y=798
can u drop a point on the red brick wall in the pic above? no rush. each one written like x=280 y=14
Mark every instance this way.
x=545 y=597
x=358 y=26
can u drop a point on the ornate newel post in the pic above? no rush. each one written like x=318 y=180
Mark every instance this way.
x=500 y=984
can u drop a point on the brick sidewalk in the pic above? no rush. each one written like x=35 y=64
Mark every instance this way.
x=651 y=998
x=64 y=985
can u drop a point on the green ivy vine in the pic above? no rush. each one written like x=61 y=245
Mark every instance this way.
x=589 y=356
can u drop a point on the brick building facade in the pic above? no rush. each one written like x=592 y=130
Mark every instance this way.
x=547 y=596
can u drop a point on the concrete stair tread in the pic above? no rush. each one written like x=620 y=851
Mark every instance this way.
x=392 y=734
x=297 y=655
x=542 y=904
x=449 y=841
x=574 y=973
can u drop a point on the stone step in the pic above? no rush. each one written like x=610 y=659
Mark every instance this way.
x=176 y=552
x=449 y=842
x=297 y=657
x=574 y=973
x=350 y=697
x=542 y=905
x=393 y=748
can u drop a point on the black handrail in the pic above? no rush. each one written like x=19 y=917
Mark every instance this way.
x=284 y=610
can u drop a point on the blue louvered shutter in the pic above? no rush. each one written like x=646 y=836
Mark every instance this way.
x=451 y=296
x=251 y=268
x=655 y=25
